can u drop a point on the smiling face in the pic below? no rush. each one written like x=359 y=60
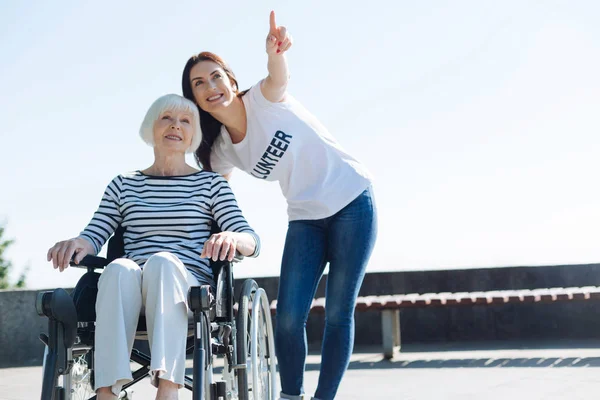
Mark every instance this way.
x=212 y=88
x=173 y=131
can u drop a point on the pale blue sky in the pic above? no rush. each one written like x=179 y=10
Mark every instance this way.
x=478 y=119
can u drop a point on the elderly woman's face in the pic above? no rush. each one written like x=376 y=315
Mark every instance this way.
x=173 y=131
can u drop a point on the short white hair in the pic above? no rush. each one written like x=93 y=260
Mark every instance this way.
x=171 y=102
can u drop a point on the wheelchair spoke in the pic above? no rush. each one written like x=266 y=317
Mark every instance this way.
x=256 y=350
x=81 y=378
x=263 y=358
x=262 y=363
x=248 y=330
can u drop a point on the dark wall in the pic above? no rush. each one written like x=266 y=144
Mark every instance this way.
x=20 y=328
x=20 y=325
x=571 y=320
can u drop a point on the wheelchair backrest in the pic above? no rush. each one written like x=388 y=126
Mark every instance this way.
x=116 y=245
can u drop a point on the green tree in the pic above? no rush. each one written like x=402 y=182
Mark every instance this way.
x=6 y=265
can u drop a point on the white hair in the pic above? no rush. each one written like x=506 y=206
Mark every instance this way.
x=171 y=102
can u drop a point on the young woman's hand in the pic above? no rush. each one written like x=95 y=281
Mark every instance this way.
x=62 y=252
x=278 y=40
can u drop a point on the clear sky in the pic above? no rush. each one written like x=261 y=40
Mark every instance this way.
x=478 y=119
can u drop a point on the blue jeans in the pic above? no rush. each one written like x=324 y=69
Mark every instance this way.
x=345 y=240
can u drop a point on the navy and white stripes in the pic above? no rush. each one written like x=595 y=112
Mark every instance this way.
x=170 y=213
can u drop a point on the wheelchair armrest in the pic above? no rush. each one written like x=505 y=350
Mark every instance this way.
x=94 y=262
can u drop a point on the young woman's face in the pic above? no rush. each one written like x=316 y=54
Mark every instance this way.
x=211 y=86
x=173 y=131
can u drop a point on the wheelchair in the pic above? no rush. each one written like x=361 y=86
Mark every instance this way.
x=244 y=339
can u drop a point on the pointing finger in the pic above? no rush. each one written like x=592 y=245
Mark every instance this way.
x=272 y=24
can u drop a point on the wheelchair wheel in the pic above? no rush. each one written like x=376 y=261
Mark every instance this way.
x=243 y=328
x=80 y=379
x=262 y=349
x=79 y=382
x=255 y=346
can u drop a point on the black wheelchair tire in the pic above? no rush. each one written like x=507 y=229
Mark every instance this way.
x=242 y=323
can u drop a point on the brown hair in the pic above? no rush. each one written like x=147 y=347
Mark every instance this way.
x=209 y=125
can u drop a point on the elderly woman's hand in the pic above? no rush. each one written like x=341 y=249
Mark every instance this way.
x=223 y=245
x=61 y=253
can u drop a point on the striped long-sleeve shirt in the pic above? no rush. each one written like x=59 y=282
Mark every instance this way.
x=170 y=213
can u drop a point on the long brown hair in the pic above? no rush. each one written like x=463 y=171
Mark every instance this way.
x=209 y=125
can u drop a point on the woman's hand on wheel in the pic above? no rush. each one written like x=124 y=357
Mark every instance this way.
x=62 y=252
x=221 y=246
x=278 y=40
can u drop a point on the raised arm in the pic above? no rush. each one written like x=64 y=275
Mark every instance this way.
x=278 y=42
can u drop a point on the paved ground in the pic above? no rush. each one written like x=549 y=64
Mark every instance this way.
x=550 y=371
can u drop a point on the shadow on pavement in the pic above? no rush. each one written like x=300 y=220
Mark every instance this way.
x=538 y=362
x=501 y=354
x=477 y=355
x=534 y=362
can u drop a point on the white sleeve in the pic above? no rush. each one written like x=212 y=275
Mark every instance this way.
x=218 y=161
x=255 y=93
x=257 y=97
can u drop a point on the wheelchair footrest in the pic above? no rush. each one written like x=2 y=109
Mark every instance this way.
x=44 y=338
x=221 y=389
x=221 y=348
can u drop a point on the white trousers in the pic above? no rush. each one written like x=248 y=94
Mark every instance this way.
x=124 y=292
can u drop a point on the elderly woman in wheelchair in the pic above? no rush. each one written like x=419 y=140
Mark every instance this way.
x=167 y=216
